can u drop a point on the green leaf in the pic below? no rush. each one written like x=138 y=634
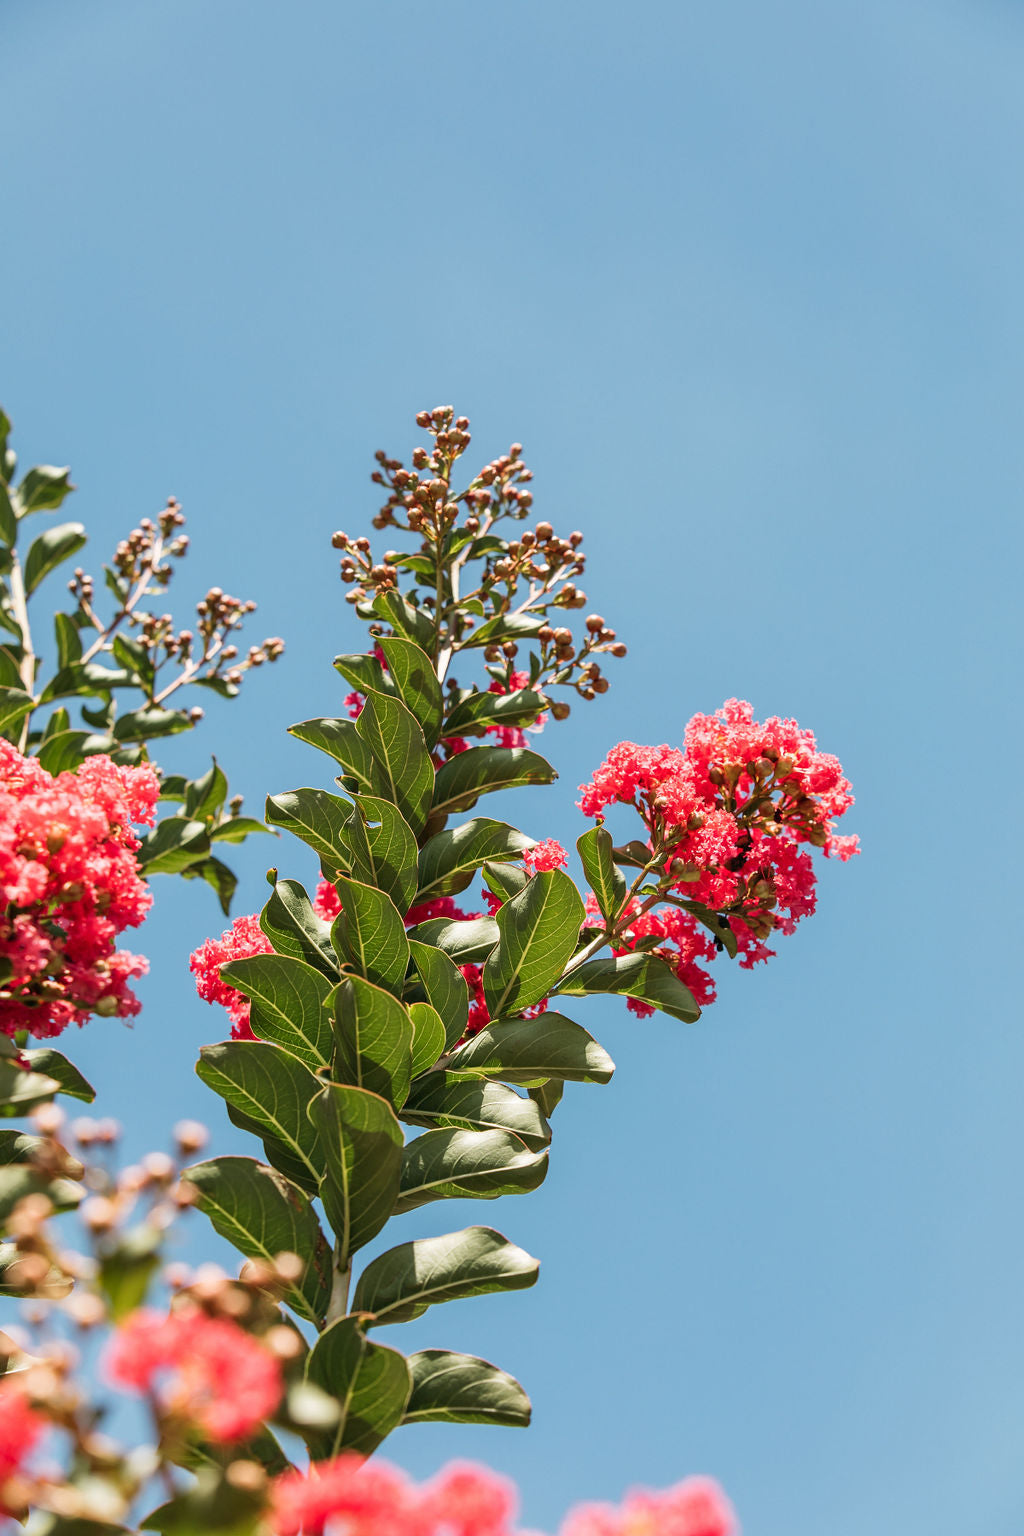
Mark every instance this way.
x=205 y=796
x=450 y=859
x=133 y=656
x=428 y=1041
x=127 y=1268
x=394 y=736
x=174 y=843
x=479 y=710
x=213 y=1507
x=15 y=704
x=507 y=626
x=291 y=925
x=235 y=829
x=646 y=977
x=223 y=880
x=445 y=987
x=364 y=672
x=369 y=1382
x=18 y=1180
x=273 y=1091
x=505 y=880
x=10 y=672
x=43 y=489
x=362 y=1146
x=51 y=549
x=538 y=931
x=289 y=1004
x=85 y=678
x=374 y=1035
x=20 y=1090
x=606 y=879
x=384 y=849
x=452 y=1165
x=263 y=1214
x=460 y=1389
x=145 y=724
x=69 y=640
x=370 y=936
x=63 y=752
x=403 y=1282
x=410 y=622
x=63 y=1072
x=340 y=740
x=466 y=941
x=321 y=820
x=548 y=1095
x=440 y=1099
x=416 y=681
x=525 y=1050
x=8 y=521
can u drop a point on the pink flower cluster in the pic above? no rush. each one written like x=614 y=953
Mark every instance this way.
x=21 y=1428
x=203 y=1370
x=732 y=817
x=70 y=884
x=243 y=939
x=365 y=1499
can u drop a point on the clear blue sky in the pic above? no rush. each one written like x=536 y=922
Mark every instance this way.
x=746 y=281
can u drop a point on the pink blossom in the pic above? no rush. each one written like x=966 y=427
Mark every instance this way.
x=243 y=939
x=546 y=855
x=21 y=1428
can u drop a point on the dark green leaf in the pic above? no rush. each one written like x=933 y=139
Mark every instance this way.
x=362 y=1147
x=51 y=549
x=606 y=879
x=43 y=489
x=8 y=521
x=407 y=620
x=15 y=704
x=19 y=1090
x=18 y=1180
x=547 y=1096
x=507 y=626
x=646 y=977
x=321 y=820
x=525 y=1050
x=145 y=724
x=538 y=931
x=212 y=1507
x=403 y=1282
x=636 y=854
x=235 y=829
x=291 y=925
x=464 y=941
x=133 y=656
x=439 y=1099
x=416 y=681
x=263 y=1214
x=273 y=1090
x=369 y=1382
x=383 y=847
x=450 y=1165
x=174 y=844
x=505 y=880
x=374 y=1040
x=10 y=669
x=85 y=678
x=365 y=673
x=474 y=714
x=205 y=796
x=63 y=751
x=69 y=639
x=481 y=770
x=394 y=736
x=64 y=1072
x=126 y=1269
x=445 y=988
x=223 y=880
x=289 y=1004
x=460 y=1389
x=369 y=935
x=450 y=859
x=340 y=740
x=428 y=1041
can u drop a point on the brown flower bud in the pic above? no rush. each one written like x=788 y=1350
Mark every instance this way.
x=594 y=622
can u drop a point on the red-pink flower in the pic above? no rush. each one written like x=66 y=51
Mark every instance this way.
x=364 y=1499
x=21 y=1428
x=205 y=1370
x=243 y=939
x=69 y=884
x=696 y=1507
x=546 y=855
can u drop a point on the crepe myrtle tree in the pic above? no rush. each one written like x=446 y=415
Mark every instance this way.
x=388 y=1047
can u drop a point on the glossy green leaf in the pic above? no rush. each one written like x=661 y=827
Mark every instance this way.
x=64 y=1073
x=547 y=1095
x=449 y=1388
x=416 y=683
x=606 y=878
x=383 y=849
x=365 y=673
x=410 y=622
x=369 y=1382
x=291 y=925
x=8 y=520
x=340 y=740
x=146 y=724
x=174 y=843
x=289 y=1004
x=395 y=738
x=479 y=711
x=51 y=549
x=369 y=935
x=373 y=1033
x=362 y=1147
x=235 y=829
x=537 y=933
x=205 y=796
x=646 y=977
x=428 y=1041
x=450 y=1165
x=450 y=859
x=19 y=1090
x=15 y=704
x=69 y=639
x=465 y=941
x=263 y=1214
x=216 y=874
x=44 y=488
x=525 y=1050
x=403 y=1282
x=505 y=880
x=321 y=820
x=273 y=1090
x=445 y=987
x=63 y=752
x=482 y=770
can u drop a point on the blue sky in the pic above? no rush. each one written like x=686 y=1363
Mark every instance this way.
x=745 y=280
